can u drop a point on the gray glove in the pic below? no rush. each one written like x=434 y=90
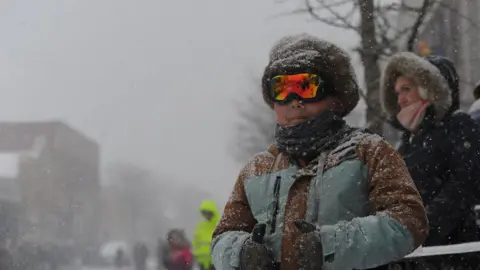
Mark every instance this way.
x=255 y=255
x=308 y=247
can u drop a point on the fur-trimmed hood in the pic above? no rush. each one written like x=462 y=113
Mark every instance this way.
x=305 y=53
x=435 y=74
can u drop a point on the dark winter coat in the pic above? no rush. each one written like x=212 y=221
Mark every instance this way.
x=176 y=254
x=140 y=256
x=6 y=260
x=179 y=259
x=443 y=156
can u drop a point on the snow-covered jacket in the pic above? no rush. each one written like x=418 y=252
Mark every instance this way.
x=364 y=201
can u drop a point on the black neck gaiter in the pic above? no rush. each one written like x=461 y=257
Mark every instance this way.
x=312 y=137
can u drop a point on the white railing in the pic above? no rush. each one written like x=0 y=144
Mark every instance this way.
x=445 y=250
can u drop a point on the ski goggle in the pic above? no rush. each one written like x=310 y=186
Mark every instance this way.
x=207 y=213
x=306 y=87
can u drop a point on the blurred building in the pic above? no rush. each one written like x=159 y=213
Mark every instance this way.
x=58 y=181
x=114 y=219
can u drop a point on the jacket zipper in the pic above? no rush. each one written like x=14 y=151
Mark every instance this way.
x=276 y=195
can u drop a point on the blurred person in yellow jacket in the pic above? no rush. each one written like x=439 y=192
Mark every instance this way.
x=203 y=235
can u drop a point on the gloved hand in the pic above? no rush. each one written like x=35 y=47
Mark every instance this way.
x=255 y=255
x=308 y=247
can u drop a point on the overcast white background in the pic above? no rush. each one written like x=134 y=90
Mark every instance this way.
x=151 y=80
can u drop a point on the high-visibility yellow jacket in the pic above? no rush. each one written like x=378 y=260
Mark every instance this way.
x=203 y=235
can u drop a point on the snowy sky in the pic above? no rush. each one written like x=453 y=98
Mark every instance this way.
x=152 y=80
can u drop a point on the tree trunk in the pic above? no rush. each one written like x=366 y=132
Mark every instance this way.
x=370 y=59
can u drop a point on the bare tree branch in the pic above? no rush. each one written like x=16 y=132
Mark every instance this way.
x=418 y=22
x=330 y=21
x=337 y=16
x=470 y=21
x=334 y=4
x=397 y=7
x=385 y=45
x=310 y=9
x=378 y=114
x=255 y=125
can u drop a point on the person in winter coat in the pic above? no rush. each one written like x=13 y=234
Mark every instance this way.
x=120 y=260
x=140 y=256
x=441 y=147
x=6 y=258
x=162 y=252
x=177 y=255
x=203 y=234
x=474 y=110
x=324 y=195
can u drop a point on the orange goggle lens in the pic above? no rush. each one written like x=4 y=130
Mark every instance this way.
x=304 y=86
